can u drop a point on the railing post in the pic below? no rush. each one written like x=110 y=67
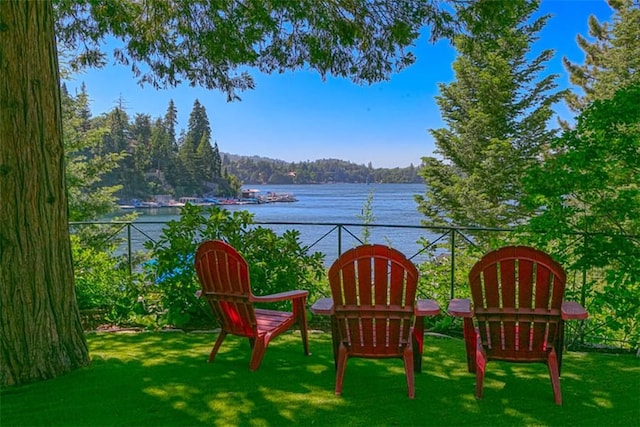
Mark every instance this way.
x=129 y=249
x=339 y=239
x=453 y=261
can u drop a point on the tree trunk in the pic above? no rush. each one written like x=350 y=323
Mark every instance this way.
x=41 y=335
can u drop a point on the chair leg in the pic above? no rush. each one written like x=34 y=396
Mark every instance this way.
x=301 y=317
x=408 y=368
x=554 y=374
x=216 y=346
x=335 y=340
x=341 y=366
x=259 y=348
x=470 y=342
x=418 y=344
x=480 y=365
x=559 y=344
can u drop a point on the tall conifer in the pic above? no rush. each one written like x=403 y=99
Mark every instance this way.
x=496 y=114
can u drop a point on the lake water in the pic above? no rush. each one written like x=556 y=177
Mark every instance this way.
x=392 y=204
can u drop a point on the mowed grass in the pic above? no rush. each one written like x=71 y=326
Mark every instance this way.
x=163 y=379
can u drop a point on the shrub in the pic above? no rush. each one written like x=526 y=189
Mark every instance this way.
x=103 y=283
x=276 y=263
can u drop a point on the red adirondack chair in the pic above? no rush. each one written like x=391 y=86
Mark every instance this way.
x=519 y=312
x=373 y=309
x=224 y=277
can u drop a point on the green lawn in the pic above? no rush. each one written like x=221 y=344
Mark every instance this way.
x=163 y=379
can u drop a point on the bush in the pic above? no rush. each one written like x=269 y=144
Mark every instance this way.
x=103 y=284
x=276 y=263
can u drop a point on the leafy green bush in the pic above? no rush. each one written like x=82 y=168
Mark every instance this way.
x=276 y=263
x=103 y=283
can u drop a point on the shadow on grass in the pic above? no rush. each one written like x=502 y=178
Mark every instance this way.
x=164 y=379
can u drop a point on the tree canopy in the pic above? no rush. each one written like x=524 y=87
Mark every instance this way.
x=218 y=45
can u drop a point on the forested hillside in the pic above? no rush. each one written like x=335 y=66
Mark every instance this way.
x=138 y=156
x=258 y=170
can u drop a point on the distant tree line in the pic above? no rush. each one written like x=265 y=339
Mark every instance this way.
x=258 y=170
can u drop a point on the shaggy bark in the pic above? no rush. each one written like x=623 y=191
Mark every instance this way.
x=41 y=335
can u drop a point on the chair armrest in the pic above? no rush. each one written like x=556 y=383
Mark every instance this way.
x=460 y=308
x=281 y=296
x=571 y=310
x=323 y=306
x=426 y=307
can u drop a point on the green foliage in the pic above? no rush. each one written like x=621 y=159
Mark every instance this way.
x=588 y=200
x=213 y=44
x=276 y=263
x=89 y=196
x=197 y=162
x=612 y=56
x=258 y=170
x=497 y=113
x=103 y=283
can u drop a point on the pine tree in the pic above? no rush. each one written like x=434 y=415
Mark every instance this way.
x=612 y=59
x=170 y=122
x=140 y=147
x=497 y=113
x=217 y=162
x=194 y=150
x=205 y=159
x=171 y=169
x=198 y=123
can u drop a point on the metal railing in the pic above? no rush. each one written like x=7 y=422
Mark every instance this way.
x=134 y=234
x=420 y=243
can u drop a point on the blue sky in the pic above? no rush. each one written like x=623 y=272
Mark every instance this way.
x=296 y=116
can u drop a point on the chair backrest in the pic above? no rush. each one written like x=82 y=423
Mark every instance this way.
x=224 y=277
x=374 y=289
x=517 y=293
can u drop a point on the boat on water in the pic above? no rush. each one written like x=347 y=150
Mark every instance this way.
x=138 y=204
x=273 y=197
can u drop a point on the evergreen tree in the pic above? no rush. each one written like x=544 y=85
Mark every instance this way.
x=198 y=123
x=612 y=59
x=173 y=169
x=170 y=122
x=195 y=149
x=89 y=197
x=141 y=142
x=497 y=113
x=140 y=148
x=160 y=147
x=83 y=109
x=116 y=140
x=205 y=159
x=216 y=163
